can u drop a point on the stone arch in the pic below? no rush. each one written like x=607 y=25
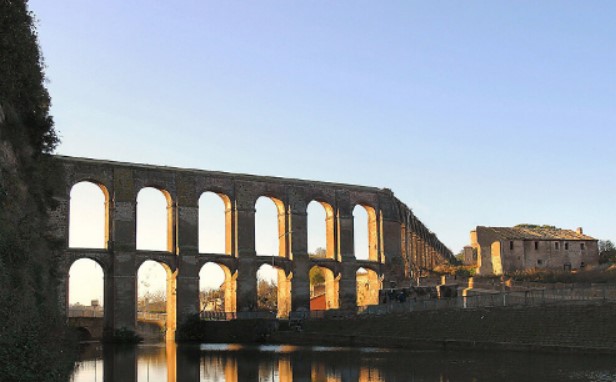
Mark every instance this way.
x=82 y=226
x=324 y=295
x=83 y=334
x=368 y=286
x=265 y=237
x=368 y=201
x=169 y=293
x=162 y=181
x=94 y=256
x=327 y=237
x=228 y=262
x=166 y=261
x=332 y=265
x=365 y=232
x=283 y=290
x=229 y=287
x=83 y=284
x=96 y=179
x=321 y=195
x=277 y=262
x=369 y=265
x=146 y=236
x=223 y=224
x=100 y=257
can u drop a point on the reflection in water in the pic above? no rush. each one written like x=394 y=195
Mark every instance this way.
x=369 y=374
x=239 y=363
x=153 y=363
x=91 y=370
x=216 y=367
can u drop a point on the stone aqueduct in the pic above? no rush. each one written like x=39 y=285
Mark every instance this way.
x=399 y=243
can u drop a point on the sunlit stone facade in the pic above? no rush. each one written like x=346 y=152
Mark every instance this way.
x=399 y=243
x=498 y=250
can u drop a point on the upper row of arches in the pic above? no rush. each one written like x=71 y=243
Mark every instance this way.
x=89 y=223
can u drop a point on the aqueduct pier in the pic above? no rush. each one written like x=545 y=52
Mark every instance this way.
x=399 y=243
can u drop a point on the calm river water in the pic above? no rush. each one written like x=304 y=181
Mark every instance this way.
x=230 y=363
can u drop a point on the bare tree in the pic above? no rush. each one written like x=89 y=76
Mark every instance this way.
x=267 y=293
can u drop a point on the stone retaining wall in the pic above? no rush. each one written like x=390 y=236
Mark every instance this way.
x=577 y=328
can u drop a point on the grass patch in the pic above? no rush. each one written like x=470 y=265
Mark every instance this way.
x=455 y=270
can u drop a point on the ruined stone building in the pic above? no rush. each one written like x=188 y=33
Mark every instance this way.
x=498 y=250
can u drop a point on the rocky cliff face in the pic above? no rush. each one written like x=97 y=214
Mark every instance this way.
x=31 y=329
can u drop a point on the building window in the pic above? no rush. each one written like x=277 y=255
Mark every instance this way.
x=536 y=245
x=557 y=245
x=566 y=246
x=511 y=245
x=582 y=246
x=539 y=262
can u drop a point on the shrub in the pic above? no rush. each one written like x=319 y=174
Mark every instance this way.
x=123 y=336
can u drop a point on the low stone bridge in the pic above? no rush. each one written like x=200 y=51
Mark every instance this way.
x=93 y=328
x=88 y=328
x=399 y=243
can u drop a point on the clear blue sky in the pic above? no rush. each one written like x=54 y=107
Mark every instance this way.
x=473 y=113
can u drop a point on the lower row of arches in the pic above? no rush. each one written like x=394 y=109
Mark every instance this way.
x=217 y=289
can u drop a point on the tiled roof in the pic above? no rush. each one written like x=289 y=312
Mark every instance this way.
x=530 y=232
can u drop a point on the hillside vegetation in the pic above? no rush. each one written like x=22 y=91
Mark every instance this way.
x=33 y=343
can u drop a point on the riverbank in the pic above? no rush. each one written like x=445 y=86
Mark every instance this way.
x=586 y=328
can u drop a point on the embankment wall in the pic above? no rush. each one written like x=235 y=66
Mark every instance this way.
x=552 y=328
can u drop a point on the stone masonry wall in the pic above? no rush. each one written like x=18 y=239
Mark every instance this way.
x=551 y=327
x=399 y=242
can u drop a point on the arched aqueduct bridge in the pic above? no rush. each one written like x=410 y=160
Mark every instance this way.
x=399 y=243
